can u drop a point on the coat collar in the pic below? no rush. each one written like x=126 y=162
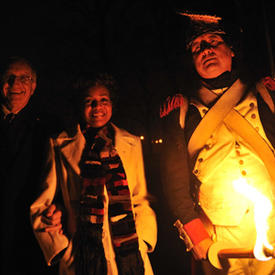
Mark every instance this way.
x=71 y=148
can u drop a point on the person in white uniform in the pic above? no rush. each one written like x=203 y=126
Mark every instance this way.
x=217 y=137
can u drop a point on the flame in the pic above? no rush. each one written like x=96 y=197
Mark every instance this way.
x=262 y=210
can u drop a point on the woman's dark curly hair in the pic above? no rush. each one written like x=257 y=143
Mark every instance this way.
x=87 y=80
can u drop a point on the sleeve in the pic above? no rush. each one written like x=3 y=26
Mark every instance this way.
x=176 y=181
x=51 y=243
x=175 y=170
x=146 y=223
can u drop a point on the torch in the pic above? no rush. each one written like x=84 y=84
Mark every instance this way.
x=219 y=251
x=262 y=250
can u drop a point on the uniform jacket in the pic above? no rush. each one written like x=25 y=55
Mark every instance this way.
x=181 y=186
x=63 y=174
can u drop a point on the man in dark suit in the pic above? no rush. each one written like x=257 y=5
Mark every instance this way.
x=22 y=133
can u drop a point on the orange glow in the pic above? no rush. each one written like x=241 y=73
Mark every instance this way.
x=157 y=141
x=262 y=210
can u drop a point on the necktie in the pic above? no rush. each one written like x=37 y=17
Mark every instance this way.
x=10 y=117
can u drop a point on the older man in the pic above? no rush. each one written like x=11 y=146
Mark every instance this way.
x=219 y=136
x=21 y=151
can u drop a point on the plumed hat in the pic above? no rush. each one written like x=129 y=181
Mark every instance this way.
x=198 y=24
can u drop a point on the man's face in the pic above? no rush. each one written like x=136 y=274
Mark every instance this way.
x=97 y=107
x=19 y=83
x=211 y=55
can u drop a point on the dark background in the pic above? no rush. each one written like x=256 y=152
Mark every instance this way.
x=141 y=43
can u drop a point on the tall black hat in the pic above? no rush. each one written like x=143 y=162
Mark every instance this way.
x=198 y=24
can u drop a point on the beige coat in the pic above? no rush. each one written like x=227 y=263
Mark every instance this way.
x=63 y=174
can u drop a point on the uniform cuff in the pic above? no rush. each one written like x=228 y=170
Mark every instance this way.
x=196 y=231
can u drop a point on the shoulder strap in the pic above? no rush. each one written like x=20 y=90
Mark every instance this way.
x=215 y=116
x=223 y=112
x=244 y=129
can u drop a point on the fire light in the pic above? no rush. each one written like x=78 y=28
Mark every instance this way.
x=157 y=141
x=263 y=250
x=262 y=210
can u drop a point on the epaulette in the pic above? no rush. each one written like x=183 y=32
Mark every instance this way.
x=173 y=102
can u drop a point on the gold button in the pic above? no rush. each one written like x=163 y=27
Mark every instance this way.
x=206 y=147
x=241 y=162
x=244 y=173
x=251 y=104
x=196 y=171
x=200 y=160
x=253 y=116
x=204 y=111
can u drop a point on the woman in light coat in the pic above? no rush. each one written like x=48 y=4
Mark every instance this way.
x=110 y=225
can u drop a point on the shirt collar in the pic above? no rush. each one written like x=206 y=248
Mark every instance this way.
x=5 y=110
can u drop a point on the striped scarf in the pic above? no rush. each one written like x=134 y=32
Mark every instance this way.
x=101 y=167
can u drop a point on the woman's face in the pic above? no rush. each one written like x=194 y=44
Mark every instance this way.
x=97 y=107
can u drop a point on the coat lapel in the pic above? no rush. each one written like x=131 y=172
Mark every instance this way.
x=71 y=148
x=124 y=144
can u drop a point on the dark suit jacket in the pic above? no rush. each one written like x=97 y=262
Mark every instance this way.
x=21 y=151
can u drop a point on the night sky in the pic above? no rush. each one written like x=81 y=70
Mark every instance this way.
x=139 y=41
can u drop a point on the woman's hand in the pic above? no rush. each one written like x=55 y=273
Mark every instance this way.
x=52 y=218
